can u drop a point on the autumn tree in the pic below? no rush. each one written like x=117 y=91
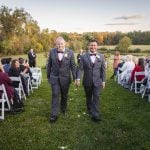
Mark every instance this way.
x=124 y=44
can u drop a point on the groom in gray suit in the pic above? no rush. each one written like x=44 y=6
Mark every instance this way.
x=60 y=65
x=92 y=64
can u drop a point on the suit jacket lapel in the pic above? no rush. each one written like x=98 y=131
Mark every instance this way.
x=56 y=56
x=65 y=53
x=89 y=60
x=97 y=59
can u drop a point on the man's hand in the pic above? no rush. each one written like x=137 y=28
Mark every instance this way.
x=103 y=85
x=77 y=82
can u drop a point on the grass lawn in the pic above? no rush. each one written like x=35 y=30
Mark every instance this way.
x=142 y=47
x=125 y=122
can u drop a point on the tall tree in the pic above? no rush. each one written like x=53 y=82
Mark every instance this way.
x=124 y=44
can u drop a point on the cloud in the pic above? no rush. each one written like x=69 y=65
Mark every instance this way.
x=116 y=24
x=138 y=16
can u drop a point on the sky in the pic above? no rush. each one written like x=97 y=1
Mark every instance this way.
x=87 y=15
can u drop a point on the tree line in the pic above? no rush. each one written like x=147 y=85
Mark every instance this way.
x=19 y=32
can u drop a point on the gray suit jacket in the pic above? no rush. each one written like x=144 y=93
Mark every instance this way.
x=62 y=72
x=93 y=74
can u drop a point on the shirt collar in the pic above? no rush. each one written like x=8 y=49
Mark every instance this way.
x=61 y=50
x=92 y=53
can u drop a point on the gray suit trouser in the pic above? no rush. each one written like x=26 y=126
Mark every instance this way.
x=92 y=100
x=58 y=89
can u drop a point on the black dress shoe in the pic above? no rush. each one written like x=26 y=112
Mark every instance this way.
x=96 y=118
x=53 y=119
x=89 y=113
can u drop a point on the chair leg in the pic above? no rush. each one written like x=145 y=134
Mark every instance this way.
x=143 y=94
x=2 y=110
x=149 y=98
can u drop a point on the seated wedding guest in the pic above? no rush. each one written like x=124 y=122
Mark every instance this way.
x=6 y=66
x=147 y=67
x=24 y=66
x=123 y=59
x=15 y=71
x=135 y=60
x=15 y=103
x=128 y=66
x=147 y=72
x=3 y=61
x=138 y=68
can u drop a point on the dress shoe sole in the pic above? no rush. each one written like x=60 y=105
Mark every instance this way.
x=96 y=119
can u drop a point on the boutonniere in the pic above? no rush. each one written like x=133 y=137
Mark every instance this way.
x=65 y=55
x=97 y=56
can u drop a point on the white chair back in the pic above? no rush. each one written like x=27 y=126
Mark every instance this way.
x=136 y=82
x=19 y=89
x=3 y=99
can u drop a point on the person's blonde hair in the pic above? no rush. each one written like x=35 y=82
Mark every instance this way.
x=129 y=58
x=135 y=59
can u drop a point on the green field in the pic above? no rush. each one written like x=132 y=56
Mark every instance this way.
x=142 y=47
x=125 y=121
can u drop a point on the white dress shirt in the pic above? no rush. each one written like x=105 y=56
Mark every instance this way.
x=93 y=57
x=60 y=55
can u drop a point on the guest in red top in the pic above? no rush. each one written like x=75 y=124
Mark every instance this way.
x=138 y=68
x=15 y=103
x=4 y=79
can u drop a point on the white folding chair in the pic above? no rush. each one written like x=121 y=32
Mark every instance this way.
x=146 y=88
x=29 y=86
x=37 y=77
x=136 y=84
x=3 y=99
x=149 y=98
x=125 y=81
x=19 y=89
x=118 y=76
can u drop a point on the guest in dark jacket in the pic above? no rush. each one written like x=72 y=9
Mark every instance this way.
x=6 y=66
x=24 y=67
x=32 y=58
x=15 y=71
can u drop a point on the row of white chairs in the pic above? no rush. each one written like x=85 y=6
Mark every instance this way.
x=31 y=84
x=136 y=85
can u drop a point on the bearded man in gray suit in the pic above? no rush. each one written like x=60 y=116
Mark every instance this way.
x=61 y=64
x=92 y=64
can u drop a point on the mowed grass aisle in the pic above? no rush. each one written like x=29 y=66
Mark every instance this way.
x=125 y=122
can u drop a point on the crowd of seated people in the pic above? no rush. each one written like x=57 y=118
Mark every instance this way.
x=131 y=65
x=15 y=68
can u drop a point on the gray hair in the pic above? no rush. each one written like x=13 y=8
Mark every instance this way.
x=60 y=38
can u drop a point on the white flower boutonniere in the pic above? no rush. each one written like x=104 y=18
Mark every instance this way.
x=97 y=56
x=65 y=55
